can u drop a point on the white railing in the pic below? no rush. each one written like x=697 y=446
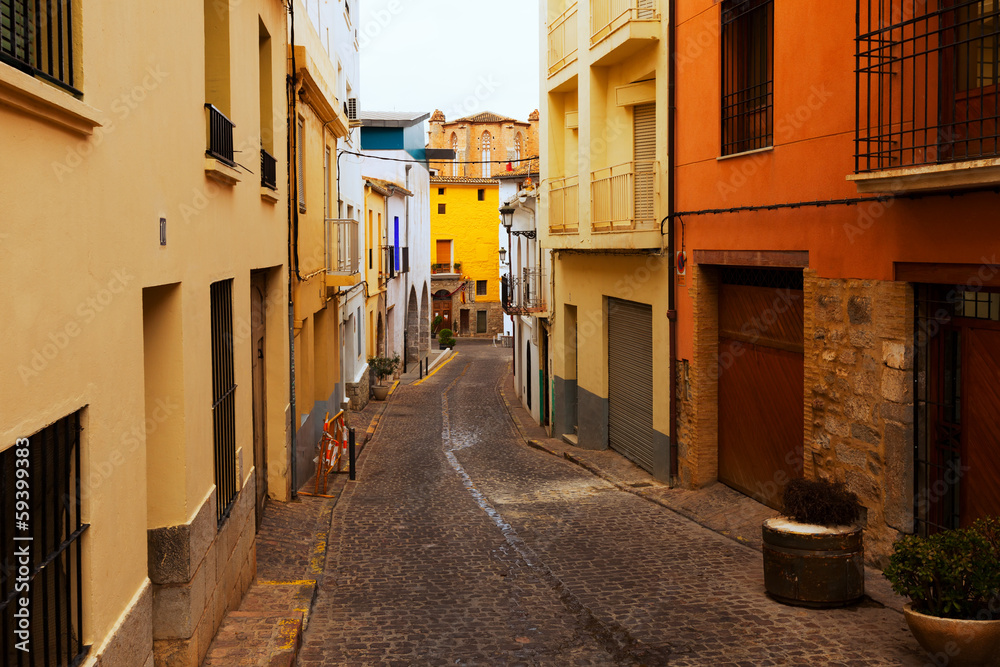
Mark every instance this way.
x=563 y=40
x=623 y=197
x=343 y=250
x=606 y=16
x=564 y=205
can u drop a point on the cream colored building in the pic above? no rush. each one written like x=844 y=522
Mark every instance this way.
x=145 y=316
x=603 y=153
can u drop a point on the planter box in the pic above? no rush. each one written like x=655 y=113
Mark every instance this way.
x=381 y=391
x=813 y=566
x=965 y=643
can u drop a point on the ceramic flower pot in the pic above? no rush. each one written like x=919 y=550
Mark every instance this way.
x=962 y=643
x=381 y=391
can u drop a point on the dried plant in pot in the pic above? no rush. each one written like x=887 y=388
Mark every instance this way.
x=814 y=552
x=952 y=579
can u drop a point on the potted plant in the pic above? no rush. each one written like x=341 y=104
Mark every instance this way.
x=458 y=267
x=814 y=552
x=382 y=367
x=953 y=581
x=446 y=339
x=436 y=324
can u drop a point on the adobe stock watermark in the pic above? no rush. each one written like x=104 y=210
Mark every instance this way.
x=755 y=329
x=85 y=313
x=380 y=20
x=122 y=107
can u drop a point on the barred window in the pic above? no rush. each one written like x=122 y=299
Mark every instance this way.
x=38 y=38
x=480 y=288
x=747 y=75
x=40 y=529
x=223 y=399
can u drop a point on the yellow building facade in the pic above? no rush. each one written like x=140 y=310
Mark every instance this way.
x=144 y=260
x=604 y=194
x=465 y=260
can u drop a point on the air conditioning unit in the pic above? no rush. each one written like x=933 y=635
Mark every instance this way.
x=352 y=112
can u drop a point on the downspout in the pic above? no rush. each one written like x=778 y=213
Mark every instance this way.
x=671 y=278
x=292 y=205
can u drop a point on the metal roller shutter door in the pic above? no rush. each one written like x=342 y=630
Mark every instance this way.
x=630 y=381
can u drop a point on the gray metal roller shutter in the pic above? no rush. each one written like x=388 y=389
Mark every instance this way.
x=630 y=381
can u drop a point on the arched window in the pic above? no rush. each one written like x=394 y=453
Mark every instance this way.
x=486 y=148
x=517 y=148
x=454 y=147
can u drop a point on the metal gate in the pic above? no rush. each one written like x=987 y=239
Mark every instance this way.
x=630 y=381
x=760 y=380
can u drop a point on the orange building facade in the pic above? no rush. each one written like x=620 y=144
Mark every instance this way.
x=838 y=286
x=483 y=143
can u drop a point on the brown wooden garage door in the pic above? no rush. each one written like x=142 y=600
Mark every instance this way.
x=760 y=380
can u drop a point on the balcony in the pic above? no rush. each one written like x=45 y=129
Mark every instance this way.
x=268 y=170
x=42 y=41
x=928 y=97
x=220 y=164
x=564 y=205
x=449 y=270
x=623 y=197
x=343 y=253
x=619 y=28
x=563 y=40
x=525 y=294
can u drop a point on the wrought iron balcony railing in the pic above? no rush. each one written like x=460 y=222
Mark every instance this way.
x=623 y=197
x=38 y=38
x=220 y=135
x=564 y=205
x=606 y=16
x=343 y=249
x=524 y=294
x=563 y=40
x=928 y=82
x=268 y=170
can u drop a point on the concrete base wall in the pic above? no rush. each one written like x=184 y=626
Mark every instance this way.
x=199 y=573
x=130 y=643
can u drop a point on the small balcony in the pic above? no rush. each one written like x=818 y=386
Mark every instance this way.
x=220 y=164
x=41 y=39
x=525 y=294
x=928 y=97
x=563 y=40
x=268 y=170
x=619 y=28
x=447 y=269
x=564 y=205
x=623 y=197
x=343 y=253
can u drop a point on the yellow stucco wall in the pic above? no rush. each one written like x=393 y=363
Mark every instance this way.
x=80 y=242
x=473 y=226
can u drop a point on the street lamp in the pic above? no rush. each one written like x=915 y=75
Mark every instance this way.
x=507 y=216
x=503 y=255
x=507 y=213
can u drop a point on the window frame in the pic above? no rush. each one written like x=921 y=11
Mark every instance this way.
x=747 y=75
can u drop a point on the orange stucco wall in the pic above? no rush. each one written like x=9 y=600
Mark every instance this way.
x=813 y=152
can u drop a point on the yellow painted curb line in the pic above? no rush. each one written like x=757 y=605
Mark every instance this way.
x=439 y=367
x=392 y=388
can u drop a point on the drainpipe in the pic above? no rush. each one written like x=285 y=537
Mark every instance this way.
x=671 y=208
x=292 y=206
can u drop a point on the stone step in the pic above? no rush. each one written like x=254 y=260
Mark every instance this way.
x=267 y=629
x=570 y=438
x=256 y=639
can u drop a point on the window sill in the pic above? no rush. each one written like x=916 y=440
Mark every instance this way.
x=46 y=103
x=268 y=195
x=766 y=149
x=221 y=172
x=929 y=178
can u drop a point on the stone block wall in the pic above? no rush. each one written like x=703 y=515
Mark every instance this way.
x=859 y=398
x=358 y=392
x=200 y=571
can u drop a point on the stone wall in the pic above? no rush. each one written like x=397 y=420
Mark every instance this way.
x=200 y=571
x=859 y=398
x=358 y=393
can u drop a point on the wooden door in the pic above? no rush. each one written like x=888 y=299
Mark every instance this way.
x=464 y=322
x=442 y=307
x=981 y=424
x=258 y=290
x=760 y=389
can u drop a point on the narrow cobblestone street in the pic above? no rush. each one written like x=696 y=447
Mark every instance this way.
x=459 y=544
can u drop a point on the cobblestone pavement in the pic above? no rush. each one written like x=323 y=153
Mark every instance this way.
x=460 y=545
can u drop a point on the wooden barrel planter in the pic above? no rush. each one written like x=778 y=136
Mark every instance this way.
x=813 y=566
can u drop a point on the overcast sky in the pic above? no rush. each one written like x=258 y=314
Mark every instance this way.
x=460 y=56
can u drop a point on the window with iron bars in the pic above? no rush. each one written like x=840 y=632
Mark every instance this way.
x=37 y=38
x=747 y=75
x=40 y=513
x=928 y=82
x=223 y=399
